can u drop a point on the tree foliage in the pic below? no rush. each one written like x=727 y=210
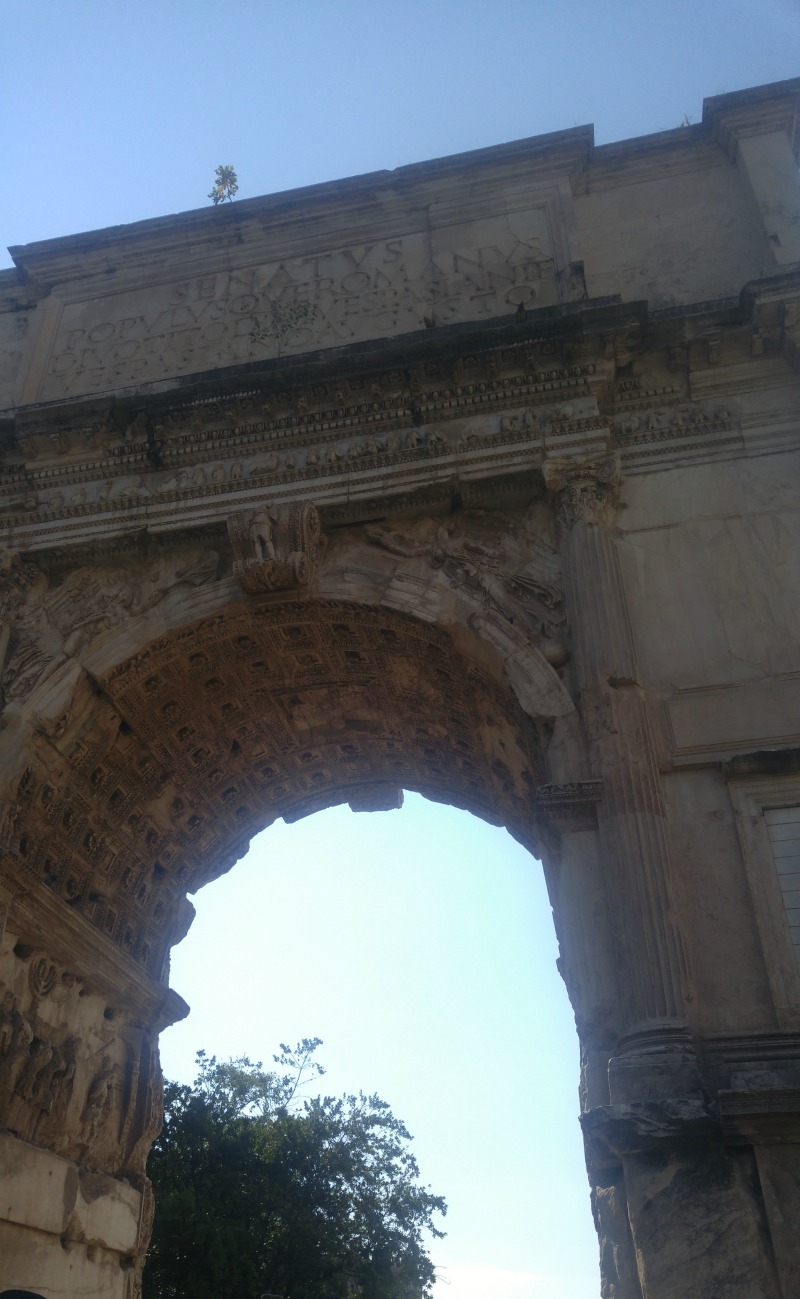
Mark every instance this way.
x=226 y=184
x=259 y=1189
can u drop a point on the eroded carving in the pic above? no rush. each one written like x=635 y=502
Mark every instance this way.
x=17 y=1035
x=50 y=622
x=42 y=975
x=275 y=547
x=99 y=1104
x=505 y=566
x=53 y=1090
x=587 y=488
x=570 y=806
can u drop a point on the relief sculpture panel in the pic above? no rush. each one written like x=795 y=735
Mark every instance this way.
x=70 y=1067
x=48 y=621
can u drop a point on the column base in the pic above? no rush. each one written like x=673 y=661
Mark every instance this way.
x=653 y=1062
x=710 y=1211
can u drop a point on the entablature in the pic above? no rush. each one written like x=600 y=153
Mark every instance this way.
x=431 y=413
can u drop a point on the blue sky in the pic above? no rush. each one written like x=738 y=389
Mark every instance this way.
x=112 y=111
x=418 y=943
x=419 y=946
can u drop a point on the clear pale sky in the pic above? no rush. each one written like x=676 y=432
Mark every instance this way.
x=419 y=943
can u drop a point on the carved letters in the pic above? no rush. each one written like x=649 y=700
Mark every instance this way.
x=377 y=288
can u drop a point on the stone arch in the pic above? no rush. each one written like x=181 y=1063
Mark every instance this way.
x=525 y=493
x=398 y=675
x=167 y=700
x=166 y=740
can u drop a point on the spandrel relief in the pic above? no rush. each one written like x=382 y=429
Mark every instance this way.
x=52 y=621
x=506 y=566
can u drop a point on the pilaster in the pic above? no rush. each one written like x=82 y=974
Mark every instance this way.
x=631 y=816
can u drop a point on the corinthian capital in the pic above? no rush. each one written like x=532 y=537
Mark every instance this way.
x=586 y=490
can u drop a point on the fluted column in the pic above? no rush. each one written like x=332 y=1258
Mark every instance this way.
x=632 y=825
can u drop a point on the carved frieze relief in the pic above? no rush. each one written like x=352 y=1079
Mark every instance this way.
x=49 y=622
x=70 y=1078
x=65 y=480
x=507 y=566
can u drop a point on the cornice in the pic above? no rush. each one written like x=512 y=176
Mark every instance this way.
x=760 y=110
x=291 y=218
x=41 y=918
x=698 y=146
x=379 y=204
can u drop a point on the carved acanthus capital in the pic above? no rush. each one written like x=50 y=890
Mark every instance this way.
x=275 y=547
x=587 y=490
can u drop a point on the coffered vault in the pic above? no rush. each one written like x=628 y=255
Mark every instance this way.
x=476 y=478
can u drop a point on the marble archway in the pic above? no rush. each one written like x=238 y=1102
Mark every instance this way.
x=149 y=760
x=510 y=518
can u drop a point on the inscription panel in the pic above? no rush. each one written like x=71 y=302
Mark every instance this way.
x=375 y=289
x=13 y=331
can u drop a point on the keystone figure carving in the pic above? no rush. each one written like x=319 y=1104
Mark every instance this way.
x=275 y=547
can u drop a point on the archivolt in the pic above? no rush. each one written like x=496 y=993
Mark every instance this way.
x=173 y=758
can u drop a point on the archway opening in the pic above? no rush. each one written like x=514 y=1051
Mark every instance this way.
x=419 y=945
x=173 y=755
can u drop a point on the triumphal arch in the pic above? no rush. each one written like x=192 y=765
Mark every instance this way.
x=478 y=478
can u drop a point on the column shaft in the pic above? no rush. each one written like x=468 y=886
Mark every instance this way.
x=632 y=814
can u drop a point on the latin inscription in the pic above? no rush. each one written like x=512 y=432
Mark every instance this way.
x=372 y=290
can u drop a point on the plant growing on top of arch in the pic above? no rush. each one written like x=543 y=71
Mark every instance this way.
x=226 y=184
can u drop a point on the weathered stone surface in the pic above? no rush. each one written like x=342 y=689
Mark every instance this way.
x=43 y=1265
x=455 y=480
x=779 y=1180
x=698 y=1225
x=38 y=1189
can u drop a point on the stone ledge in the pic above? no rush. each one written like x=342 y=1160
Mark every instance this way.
x=617 y=1130
x=761 y=1118
x=41 y=1191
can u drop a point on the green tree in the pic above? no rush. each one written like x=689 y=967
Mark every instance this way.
x=226 y=185
x=258 y=1189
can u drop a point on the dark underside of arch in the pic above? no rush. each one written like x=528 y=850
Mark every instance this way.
x=268 y=710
